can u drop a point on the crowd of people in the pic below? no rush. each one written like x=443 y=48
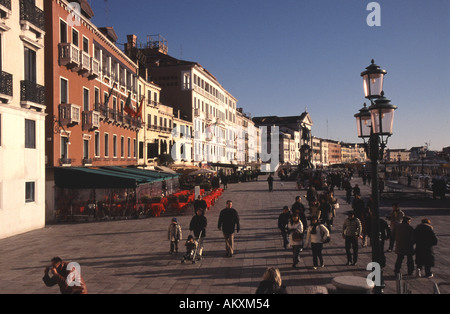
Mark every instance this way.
x=302 y=226
x=298 y=234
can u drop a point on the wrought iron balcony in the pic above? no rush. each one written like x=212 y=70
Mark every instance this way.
x=87 y=161
x=6 y=85
x=31 y=13
x=65 y=161
x=30 y=92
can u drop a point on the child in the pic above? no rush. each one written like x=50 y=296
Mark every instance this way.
x=174 y=235
x=191 y=246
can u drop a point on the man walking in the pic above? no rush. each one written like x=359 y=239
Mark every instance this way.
x=229 y=223
x=351 y=232
x=270 y=182
x=403 y=234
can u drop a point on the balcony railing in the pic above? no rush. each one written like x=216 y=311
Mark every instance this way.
x=69 y=55
x=91 y=120
x=32 y=92
x=6 y=84
x=87 y=161
x=85 y=62
x=95 y=69
x=31 y=13
x=65 y=161
x=69 y=114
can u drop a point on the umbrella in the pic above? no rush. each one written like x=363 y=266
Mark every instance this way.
x=201 y=171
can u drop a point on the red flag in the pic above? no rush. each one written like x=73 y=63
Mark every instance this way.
x=128 y=107
x=139 y=111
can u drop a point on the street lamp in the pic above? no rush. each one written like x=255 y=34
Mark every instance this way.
x=380 y=116
x=423 y=155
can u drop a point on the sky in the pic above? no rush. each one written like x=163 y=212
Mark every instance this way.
x=282 y=57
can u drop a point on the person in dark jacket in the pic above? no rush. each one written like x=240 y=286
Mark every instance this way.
x=299 y=209
x=198 y=227
x=425 y=240
x=270 y=182
x=200 y=203
x=271 y=283
x=403 y=234
x=283 y=221
x=66 y=276
x=229 y=223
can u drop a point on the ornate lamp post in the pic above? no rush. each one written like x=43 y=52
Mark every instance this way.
x=374 y=125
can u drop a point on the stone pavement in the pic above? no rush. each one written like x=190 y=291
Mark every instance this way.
x=131 y=256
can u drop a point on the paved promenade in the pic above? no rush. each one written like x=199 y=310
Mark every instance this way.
x=131 y=256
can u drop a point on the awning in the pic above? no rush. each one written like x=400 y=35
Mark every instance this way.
x=149 y=174
x=106 y=177
x=90 y=178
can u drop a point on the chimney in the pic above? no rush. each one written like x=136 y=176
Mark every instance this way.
x=132 y=40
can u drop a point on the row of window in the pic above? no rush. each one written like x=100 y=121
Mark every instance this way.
x=125 y=149
x=109 y=65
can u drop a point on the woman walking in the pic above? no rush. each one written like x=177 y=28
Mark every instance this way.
x=295 y=229
x=316 y=235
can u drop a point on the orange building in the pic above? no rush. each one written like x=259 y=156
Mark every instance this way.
x=90 y=84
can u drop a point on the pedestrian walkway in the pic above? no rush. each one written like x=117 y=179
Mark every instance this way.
x=132 y=256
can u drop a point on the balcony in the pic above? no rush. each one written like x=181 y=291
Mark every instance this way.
x=91 y=120
x=32 y=18
x=112 y=115
x=6 y=87
x=32 y=95
x=196 y=112
x=95 y=69
x=87 y=161
x=104 y=111
x=69 y=55
x=65 y=161
x=5 y=9
x=69 y=114
x=85 y=64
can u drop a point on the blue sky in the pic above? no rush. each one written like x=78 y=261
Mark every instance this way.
x=280 y=57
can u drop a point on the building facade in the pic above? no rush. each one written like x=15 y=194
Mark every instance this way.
x=22 y=116
x=195 y=95
x=91 y=92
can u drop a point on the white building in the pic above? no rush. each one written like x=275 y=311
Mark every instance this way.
x=22 y=117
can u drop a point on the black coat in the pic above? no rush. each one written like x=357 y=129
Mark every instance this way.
x=198 y=224
x=228 y=221
x=425 y=240
x=283 y=221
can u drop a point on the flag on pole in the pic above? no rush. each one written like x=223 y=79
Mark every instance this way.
x=128 y=109
x=139 y=111
x=109 y=95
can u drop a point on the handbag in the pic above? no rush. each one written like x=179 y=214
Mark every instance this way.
x=297 y=235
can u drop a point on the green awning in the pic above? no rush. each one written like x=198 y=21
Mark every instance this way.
x=96 y=178
x=156 y=175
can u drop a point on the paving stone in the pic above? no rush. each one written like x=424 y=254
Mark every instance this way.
x=131 y=256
